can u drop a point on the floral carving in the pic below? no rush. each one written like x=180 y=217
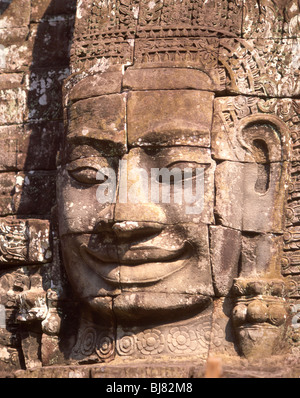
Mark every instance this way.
x=204 y=334
x=182 y=340
x=217 y=335
x=150 y=342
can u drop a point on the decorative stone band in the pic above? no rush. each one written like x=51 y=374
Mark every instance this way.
x=24 y=242
x=114 y=15
x=192 y=339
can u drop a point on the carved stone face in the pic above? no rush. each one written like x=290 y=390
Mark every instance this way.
x=134 y=256
x=144 y=255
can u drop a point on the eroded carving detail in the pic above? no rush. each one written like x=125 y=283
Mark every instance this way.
x=13 y=241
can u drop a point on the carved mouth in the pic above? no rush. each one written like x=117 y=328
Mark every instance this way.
x=138 y=265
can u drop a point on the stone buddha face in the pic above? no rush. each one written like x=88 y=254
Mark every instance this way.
x=128 y=254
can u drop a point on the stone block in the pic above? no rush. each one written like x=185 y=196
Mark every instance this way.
x=35 y=192
x=93 y=86
x=9 y=360
x=15 y=49
x=14 y=14
x=39 y=145
x=27 y=193
x=54 y=372
x=9 y=147
x=11 y=80
x=170 y=79
x=151 y=194
x=9 y=338
x=31 y=344
x=12 y=106
x=30 y=147
x=52 y=40
x=261 y=255
x=225 y=249
x=45 y=94
x=12 y=282
x=102 y=118
x=49 y=8
x=189 y=339
x=143 y=371
x=24 y=241
x=7 y=183
x=182 y=117
x=51 y=354
x=184 y=274
x=223 y=335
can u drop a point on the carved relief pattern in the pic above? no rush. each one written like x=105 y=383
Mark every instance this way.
x=86 y=342
x=172 y=340
x=150 y=12
x=91 y=342
x=181 y=339
x=13 y=241
x=24 y=241
x=112 y=28
x=105 y=347
x=247 y=69
x=218 y=335
x=200 y=51
x=222 y=14
x=204 y=334
x=150 y=342
x=115 y=29
x=291 y=258
x=126 y=345
x=260 y=16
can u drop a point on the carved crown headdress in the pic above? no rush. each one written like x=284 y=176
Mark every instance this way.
x=202 y=34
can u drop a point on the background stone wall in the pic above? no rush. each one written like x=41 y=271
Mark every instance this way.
x=34 y=60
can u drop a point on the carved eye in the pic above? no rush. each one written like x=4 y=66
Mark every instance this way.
x=180 y=171
x=88 y=175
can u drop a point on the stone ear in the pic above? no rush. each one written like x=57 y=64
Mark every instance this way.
x=262 y=139
x=253 y=200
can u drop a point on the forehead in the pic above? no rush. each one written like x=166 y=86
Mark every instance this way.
x=144 y=108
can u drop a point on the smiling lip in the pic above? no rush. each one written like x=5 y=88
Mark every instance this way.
x=136 y=265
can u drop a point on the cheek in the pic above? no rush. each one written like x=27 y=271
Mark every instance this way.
x=199 y=206
x=79 y=210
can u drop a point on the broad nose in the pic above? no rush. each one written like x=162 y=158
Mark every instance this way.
x=140 y=213
x=133 y=202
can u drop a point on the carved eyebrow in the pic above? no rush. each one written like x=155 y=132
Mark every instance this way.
x=171 y=134
x=101 y=146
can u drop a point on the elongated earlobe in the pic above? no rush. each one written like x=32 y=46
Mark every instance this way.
x=261 y=155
